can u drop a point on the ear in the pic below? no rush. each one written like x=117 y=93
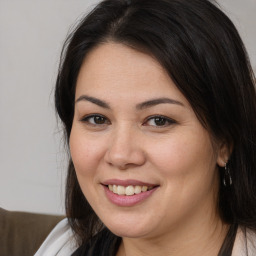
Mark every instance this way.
x=224 y=153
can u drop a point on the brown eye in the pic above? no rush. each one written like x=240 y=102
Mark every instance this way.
x=99 y=120
x=95 y=120
x=159 y=121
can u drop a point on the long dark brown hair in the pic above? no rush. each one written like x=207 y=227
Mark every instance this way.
x=201 y=50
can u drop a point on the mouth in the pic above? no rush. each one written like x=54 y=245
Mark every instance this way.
x=128 y=187
x=127 y=193
x=129 y=190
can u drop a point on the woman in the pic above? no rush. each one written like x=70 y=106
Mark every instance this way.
x=158 y=104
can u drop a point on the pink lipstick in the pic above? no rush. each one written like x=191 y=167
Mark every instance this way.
x=128 y=192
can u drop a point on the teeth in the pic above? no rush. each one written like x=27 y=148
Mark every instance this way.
x=129 y=190
x=121 y=190
x=137 y=189
x=115 y=189
x=144 y=189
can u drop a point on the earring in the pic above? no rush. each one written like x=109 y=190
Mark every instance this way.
x=227 y=180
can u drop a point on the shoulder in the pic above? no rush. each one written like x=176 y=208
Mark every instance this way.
x=60 y=241
x=245 y=243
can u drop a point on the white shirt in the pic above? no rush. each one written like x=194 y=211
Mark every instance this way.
x=61 y=242
x=244 y=245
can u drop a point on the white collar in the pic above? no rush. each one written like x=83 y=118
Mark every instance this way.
x=245 y=243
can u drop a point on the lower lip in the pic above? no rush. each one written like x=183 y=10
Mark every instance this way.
x=121 y=200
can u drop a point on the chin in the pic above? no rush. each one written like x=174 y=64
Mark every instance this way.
x=128 y=229
x=129 y=233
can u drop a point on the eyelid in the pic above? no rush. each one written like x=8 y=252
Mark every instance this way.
x=168 y=119
x=87 y=117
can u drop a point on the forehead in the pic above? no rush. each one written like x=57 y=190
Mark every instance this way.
x=116 y=68
x=116 y=58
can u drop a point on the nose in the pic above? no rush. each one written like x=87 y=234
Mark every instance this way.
x=125 y=149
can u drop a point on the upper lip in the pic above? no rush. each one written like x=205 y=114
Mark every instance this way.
x=126 y=183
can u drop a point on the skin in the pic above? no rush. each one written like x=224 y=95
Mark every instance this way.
x=177 y=154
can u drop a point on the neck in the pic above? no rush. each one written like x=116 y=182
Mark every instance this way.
x=205 y=238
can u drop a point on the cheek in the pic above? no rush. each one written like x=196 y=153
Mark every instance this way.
x=86 y=154
x=186 y=167
x=181 y=150
x=185 y=160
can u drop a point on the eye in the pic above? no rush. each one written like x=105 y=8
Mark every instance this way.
x=96 y=119
x=159 y=121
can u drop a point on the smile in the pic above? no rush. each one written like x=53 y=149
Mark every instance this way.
x=128 y=190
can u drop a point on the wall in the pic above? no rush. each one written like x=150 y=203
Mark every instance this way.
x=242 y=13
x=32 y=157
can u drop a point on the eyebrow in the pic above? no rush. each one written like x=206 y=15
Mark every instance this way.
x=96 y=101
x=140 y=106
x=154 y=102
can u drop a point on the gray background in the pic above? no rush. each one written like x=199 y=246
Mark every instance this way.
x=32 y=156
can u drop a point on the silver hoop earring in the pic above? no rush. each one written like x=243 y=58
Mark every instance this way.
x=227 y=180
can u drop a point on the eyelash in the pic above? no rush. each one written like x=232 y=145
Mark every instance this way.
x=165 y=119
x=86 y=119
x=103 y=120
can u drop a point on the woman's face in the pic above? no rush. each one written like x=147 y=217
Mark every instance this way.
x=135 y=133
